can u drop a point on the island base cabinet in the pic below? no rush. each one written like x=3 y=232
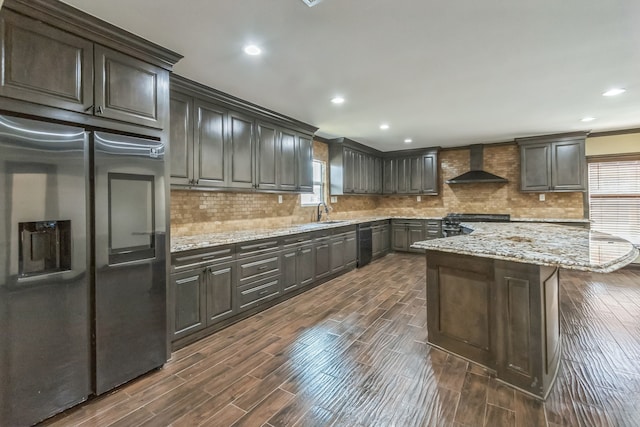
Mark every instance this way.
x=528 y=325
x=503 y=315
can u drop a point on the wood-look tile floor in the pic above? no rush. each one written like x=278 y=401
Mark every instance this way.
x=353 y=352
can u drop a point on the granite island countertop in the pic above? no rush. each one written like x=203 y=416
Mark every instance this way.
x=186 y=243
x=540 y=244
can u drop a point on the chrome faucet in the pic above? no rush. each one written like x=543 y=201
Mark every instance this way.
x=326 y=210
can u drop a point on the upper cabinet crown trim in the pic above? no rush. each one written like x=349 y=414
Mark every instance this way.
x=552 y=138
x=75 y=21
x=199 y=90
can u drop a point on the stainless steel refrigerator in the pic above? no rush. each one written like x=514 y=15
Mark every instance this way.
x=82 y=265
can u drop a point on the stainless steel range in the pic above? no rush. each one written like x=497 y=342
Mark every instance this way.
x=451 y=223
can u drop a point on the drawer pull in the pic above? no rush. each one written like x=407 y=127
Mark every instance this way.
x=263 y=267
x=266 y=291
x=205 y=258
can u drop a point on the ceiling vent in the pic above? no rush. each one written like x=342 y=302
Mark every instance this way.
x=311 y=3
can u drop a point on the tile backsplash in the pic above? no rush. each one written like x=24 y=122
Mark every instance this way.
x=196 y=212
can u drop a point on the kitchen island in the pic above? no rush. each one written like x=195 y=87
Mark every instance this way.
x=493 y=294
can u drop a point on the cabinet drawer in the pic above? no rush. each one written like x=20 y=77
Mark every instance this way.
x=432 y=234
x=319 y=234
x=407 y=222
x=182 y=260
x=256 y=292
x=433 y=224
x=255 y=247
x=297 y=239
x=258 y=267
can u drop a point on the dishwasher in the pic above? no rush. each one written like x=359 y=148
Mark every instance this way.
x=364 y=244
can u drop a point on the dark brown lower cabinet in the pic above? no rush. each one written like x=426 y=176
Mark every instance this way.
x=405 y=233
x=501 y=314
x=297 y=267
x=203 y=296
x=189 y=315
x=321 y=256
x=219 y=292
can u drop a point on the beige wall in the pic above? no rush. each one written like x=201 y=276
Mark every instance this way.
x=614 y=144
x=195 y=212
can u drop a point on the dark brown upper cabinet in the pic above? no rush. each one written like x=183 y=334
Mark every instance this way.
x=304 y=163
x=554 y=163
x=354 y=168
x=219 y=142
x=357 y=169
x=46 y=65
x=128 y=89
x=415 y=172
x=268 y=151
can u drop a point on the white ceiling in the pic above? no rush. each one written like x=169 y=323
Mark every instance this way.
x=442 y=72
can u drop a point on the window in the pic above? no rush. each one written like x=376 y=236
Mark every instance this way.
x=318 y=186
x=614 y=196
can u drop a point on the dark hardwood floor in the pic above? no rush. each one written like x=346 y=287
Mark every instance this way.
x=353 y=352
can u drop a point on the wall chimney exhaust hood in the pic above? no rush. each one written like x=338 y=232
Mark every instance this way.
x=476 y=174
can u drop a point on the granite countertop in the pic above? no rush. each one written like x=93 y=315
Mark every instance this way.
x=552 y=220
x=185 y=243
x=540 y=244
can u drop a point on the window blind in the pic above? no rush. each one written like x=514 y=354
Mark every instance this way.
x=614 y=198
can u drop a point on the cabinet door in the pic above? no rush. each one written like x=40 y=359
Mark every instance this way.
x=337 y=253
x=288 y=270
x=268 y=156
x=414 y=175
x=399 y=237
x=241 y=151
x=386 y=241
x=130 y=90
x=430 y=174
x=568 y=163
x=305 y=265
x=415 y=233
x=348 y=170
x=287 y=169
x=44 y=65
x=304 y=157
x=350 y=250
x=377 y=175
x=389 y=176
x=220 y=292
x=181 y=138
x=209 y=145
x=322 y=260
x=403 y=170
x=535 y=172
x=190 y=304
x=376 y=241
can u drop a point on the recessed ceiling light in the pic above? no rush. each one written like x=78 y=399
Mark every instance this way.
x=587 y=119
x=252 y=50
x=408 y=141
x=384 y=126
x=615 y=91
x=337 y=100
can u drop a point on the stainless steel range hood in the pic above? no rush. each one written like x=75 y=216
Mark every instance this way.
x=476 y=174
